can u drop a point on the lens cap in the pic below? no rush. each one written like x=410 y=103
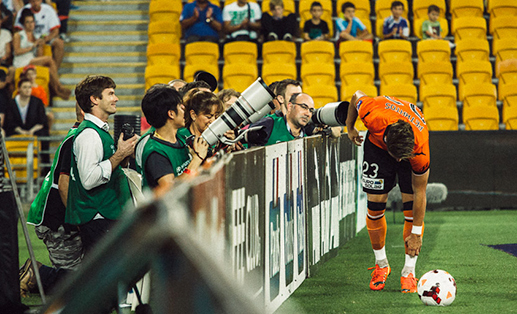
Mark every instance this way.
x=206 y=77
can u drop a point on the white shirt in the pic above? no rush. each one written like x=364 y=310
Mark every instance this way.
x=23 y=110
x=236 y=14
x=88 y=152
x=5 y=38
x=46 y=20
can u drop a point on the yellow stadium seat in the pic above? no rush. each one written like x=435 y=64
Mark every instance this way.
x=420 y=8
x=304 y=10
x=321 y=94
x=356 y=51
x=317 y=52
x=472 y=49
x=315 y=74
x=383 y=9
x=441 y=119
x=480 y=118
x=190 y=70
x=240 y=52
x=463 y=8
x=473 y=72
x=504 y=27
x=507 y=72
x=165 y=10
x=509 y=96
x=168 y=54
x=279 y=51
x=396 y=73
x=433 y=50
x=442 y=95
x=239 y=76
x=469 y=27
x=17 y=151
x=163 y=33
x=347 y=91
x=480 y=95
x=405 y=92
x=201 y=52
x=497 y=8
x=395 y=50
x=362 y=8
x=42 y=76
x=160 y=74
x=417 y=27
x=504 y=49
x=272 y=72
x=288 y=7
x=357 y=73
x=431 y=73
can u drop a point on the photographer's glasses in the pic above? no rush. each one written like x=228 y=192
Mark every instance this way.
x=305 y=107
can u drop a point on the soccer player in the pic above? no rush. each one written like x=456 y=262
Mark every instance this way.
x=397 y=144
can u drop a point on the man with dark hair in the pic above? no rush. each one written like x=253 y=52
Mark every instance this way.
x=163 y=155
x=397 y=144
x=202 y=85
x=278 y=128
x=284 y=90
x=98 y=188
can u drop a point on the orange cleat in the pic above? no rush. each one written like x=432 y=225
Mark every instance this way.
x=379 y=276
x=408 y=284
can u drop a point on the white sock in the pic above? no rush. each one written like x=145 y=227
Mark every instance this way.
x=409 y=266
x=380 y=257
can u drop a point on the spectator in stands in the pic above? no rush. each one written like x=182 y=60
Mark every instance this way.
x=276 y=129
x=163 y=155
x=351 y=27
x=284 y=90
x=46 y=27
x=98 y=188
x=29 y=50
x=278 y=26
x=47 y=213
x=228 y=97
x=316 y=28
x=201 y=21
x=242 y=20
x=63 y=9
x=431 y=28
x=177 y=84
x=5 y=46
x=30 y=72
x=396 y=26
x=7 y=15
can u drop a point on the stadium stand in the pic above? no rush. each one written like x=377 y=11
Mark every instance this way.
x=433 y=50
x=279 y=51
x=239 y=75
x=395 y=50
x=432 y=73
x=240 y=52
x=396 y=73
x=504 y=49
x=163 y=32
x=405 y=92
x=508 y=94
x=201 y=53
x=464 y=8
x=322 y=94
x=357 y=73
x=272 y=72
x=168 y=54
x=473 y=72
x=160 y=74
x=469 y=27
x=317 y=52
x=358 y=51
x=313 y=74
x=480 y=119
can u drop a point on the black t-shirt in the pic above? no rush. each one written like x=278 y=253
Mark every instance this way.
x=314 y=30
x=158 y=165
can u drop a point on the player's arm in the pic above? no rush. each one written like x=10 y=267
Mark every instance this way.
x=351 y=118
x=414 y=240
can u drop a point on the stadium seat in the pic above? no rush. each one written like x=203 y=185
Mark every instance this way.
x=504 y=49
x=508 y=93
x=17 y=150
x=433 y=50
x=497 y=8
x=420 y=8
x=163 y=33
x=417 y=27
x=479 y=95
x=473 y=72
x=190 y=70
x=239 y=76
x=322 y=94
x=504 y=27
x=469 y=27
x=201 y=52
x=240 y=52
x=507 y=72
x=441 y=118
x=405 y=92
x=317 y=52
x=314 y=74
x=472 y=49
x=272 y=72
x=356 y=51
x=396 y=73
x=480 y=118
x=463 y=8
x=160 y=74
x=357 y=73
x=279 y=51
x=362 y=8
x=168 y=54
x=165 y=10
x=347 y=91
x=304 y=11
x=395 y=50
x=438 y=96
x=431 y=73
x=42 y=77
x=288 y=7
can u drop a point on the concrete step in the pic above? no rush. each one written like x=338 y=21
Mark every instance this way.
x=101 y=15
x=109 y=36
x=91 y=26
x=106 y=46
x=101 y=67
x=111 y=5
x=119 y=78
x=92 y=57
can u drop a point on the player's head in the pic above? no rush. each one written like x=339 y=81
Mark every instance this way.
x=92 y=86
x=433 y=12
x=397 y=8
x=158 y=102
x=400 y=140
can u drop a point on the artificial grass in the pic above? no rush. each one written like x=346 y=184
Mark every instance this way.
x=453 y=241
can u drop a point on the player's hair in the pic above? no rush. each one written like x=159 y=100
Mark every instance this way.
x=395 y=4
x=282 y=86
x=191 y=85
x=275 y=3
x=400 y=140
x=347 y=5
x=22 y=80
x=92 y=85
x=25 y=13
x=316 y=4
x=201 y=102
x=433 y=8
x=227 y=93
x=157 y=102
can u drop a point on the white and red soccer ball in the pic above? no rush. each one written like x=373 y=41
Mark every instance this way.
x=437 y=287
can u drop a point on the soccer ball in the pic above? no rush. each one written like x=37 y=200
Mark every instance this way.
x=437 y=287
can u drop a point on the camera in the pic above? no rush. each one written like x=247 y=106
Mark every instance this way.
x=332 y=114
x=253 y=104
x=128 y=131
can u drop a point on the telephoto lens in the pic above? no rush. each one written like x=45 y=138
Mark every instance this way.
x=332 y=114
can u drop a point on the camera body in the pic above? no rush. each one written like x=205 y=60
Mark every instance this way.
x=128 y=131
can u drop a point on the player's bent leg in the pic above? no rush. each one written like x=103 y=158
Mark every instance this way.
x=376 y=225
x=408 y=280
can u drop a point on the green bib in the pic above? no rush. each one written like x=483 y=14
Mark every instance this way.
x=106 y=199
x=280 y=133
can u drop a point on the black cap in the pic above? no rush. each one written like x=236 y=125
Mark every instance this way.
x=208 y=78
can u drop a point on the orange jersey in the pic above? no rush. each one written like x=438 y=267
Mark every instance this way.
x=379 y=112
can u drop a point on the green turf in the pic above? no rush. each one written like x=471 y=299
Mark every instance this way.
x=486 y=278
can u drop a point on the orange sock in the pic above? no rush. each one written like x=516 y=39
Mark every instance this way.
x=376 y=225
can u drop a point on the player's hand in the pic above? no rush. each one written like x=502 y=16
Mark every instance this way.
x=127 y=147
x=200 y=147
x=414 y=244
x=353 y=135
